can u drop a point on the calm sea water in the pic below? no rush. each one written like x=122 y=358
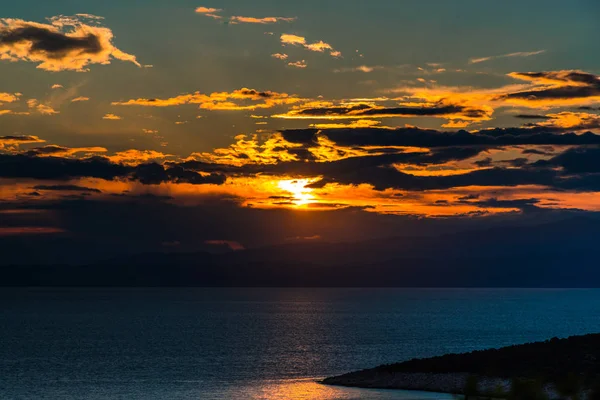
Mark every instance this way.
x=256 y=343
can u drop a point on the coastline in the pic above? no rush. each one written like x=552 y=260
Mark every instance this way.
x=550 y=368
x=446 y=383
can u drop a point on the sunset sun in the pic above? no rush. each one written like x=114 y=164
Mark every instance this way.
x=297 y=188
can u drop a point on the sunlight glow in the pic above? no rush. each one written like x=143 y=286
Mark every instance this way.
x=297 y=188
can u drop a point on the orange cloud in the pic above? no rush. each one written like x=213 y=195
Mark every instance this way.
x=361 y=123
x=66 y=43
x=344 y=109
x=60 y=151
x=9 y=97
x=112 y=117
x=237 y=19
x=554 y=89
x=11 y=143
x=320 y=46
x=578 y=121
x=263 y=21
x=43 y=109
x=250 y=150
x=135 y=157
x=209 y=12
x=298 y=64
x=360 y=68
x=79 y=99
x=220 y=100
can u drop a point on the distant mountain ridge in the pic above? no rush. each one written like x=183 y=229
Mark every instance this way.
x=557 y=254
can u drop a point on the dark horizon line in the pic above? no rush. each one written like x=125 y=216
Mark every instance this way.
x=305 y=287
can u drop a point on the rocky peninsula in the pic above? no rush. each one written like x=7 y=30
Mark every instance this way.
x=553 y=369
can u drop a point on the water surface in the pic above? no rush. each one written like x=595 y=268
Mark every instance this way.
x=256 y=343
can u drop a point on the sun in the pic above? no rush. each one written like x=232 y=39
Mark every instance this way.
x=297 y=188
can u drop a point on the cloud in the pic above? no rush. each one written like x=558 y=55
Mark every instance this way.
x=362 y=110
x=538 y=90
x=24 y=166
x=56 y=86
x=430 y=138
x=360 y=68
x=262 y=21
x=67 y=188
x=319 y=47
x=510 y=55
x=135 y=157
x=237 y=19
x=43 y=109
x=555 y=89
x=236 y=100
x=361 y=123
x=112 y=117
x=9 y=97
x=13 y=142
x=280 y=56
x=573 y=121
x=247 y=150
x=80 y=99
x=578 y=161
x=210 y=12
x=66 y=43
x=298 y=64
x=60 y=151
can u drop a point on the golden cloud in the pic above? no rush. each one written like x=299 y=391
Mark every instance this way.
x=220 y=100
x=298 y=64
x=263 y=21
x=66 y=43
x=112 y=117
x=135 y=157
x=320 y=46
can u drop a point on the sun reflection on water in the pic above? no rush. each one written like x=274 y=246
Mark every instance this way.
x=309 y=389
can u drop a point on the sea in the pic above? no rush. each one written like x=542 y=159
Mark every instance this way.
x=271 y=344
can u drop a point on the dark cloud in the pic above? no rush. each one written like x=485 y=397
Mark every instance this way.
x=390 y=178
x=533 y=116
x=20 y=138
x=56 y=48
x=67 y=188
x=588 y=108
x=54 y=44
x=559 y=85
x=577 y=161
x=47 y=150
x=367 y=110
x=521 y=204
x=429 y=138
x=57 y=168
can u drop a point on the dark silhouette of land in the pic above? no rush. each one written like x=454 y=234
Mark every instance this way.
x=562 y=366
x=557 y=254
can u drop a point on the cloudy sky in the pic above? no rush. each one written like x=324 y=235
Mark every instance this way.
x=241 y=123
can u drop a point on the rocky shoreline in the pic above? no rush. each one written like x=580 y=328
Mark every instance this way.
x=451 y=383
x=554 y=369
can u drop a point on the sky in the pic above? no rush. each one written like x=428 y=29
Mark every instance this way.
x=191 y=125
